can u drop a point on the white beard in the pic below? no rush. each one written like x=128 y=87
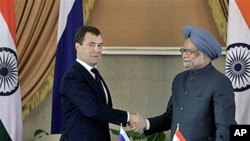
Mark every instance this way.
x=187 y=64
x=199 y=61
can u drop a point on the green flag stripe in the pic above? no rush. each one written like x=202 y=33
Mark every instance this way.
x=4 y=136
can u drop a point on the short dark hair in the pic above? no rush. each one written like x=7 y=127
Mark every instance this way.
x=80 y=33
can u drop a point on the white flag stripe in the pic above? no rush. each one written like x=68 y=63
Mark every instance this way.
x=242 y=107
x=65 y=8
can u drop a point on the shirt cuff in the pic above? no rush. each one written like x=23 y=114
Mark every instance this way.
x=148 y=124
x=128 y=117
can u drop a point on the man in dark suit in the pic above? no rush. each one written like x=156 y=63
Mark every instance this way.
x=86 y=100
x=202 y=105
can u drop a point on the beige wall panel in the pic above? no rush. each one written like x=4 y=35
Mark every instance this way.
x=150 y=22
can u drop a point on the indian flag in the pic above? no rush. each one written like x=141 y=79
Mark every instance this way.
x=178 y=135
x=11 y=123
x=238 y=56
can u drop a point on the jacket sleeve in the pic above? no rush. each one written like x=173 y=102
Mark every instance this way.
x=162 y=122
x=224 y=109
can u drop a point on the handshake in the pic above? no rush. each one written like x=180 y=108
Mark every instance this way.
x=136 y=122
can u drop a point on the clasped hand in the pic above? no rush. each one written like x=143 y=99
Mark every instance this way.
x=136 y=122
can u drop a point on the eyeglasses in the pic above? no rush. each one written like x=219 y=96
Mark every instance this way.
x=187 y=51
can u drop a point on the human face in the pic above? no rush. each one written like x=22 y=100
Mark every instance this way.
x=90 y=51
x=193 y=59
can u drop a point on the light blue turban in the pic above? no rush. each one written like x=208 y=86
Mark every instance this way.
x=203 y=41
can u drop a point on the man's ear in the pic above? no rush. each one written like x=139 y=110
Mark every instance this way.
x=77 y=45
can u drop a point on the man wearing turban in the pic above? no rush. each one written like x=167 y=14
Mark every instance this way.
x=202 y=105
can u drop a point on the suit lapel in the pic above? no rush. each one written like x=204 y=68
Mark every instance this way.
x=93 y=84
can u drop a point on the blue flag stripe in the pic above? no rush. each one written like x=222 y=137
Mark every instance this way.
x=120 y=138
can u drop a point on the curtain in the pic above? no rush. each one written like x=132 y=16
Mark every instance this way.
x=219 y=9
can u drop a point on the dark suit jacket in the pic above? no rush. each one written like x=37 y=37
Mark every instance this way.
x=202 y=102
x=86 y=114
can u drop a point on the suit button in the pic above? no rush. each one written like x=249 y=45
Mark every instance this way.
x=221 y=136
x=182 y=108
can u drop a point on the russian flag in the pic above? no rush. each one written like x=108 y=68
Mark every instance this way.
x=70 y=19
x=122 y=135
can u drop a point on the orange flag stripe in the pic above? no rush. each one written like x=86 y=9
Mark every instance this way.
x=244 y=6
x=7 y=9
x=180 y=136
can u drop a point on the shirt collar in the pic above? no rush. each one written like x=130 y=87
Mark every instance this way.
x=85 y=65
